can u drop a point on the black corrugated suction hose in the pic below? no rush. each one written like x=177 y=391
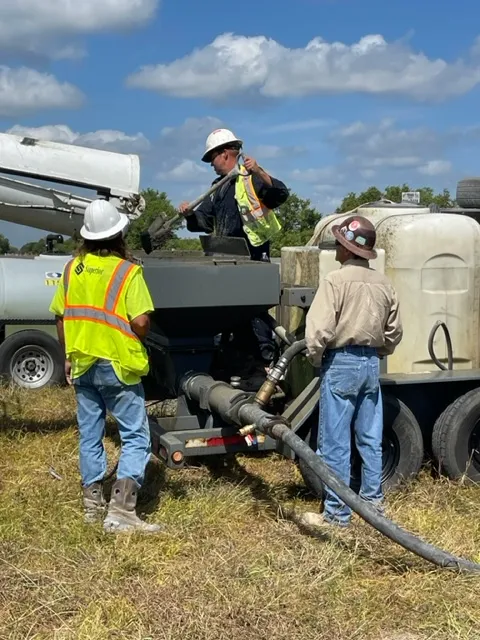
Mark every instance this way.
x=281 y=431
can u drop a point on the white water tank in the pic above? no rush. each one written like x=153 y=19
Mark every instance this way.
x=433 y=261
x=27 y=286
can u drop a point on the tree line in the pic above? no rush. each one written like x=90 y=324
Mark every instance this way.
x=298 y=217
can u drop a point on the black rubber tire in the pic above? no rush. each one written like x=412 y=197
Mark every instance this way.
x=456 y=438
x=43 y=345
x=403 y=450
x=468 y=193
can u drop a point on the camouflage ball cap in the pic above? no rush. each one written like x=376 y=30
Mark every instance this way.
x=358 y=235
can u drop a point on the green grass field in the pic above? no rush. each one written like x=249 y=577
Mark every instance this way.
x=229 y=564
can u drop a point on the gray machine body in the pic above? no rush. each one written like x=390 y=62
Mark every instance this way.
x=196 y=298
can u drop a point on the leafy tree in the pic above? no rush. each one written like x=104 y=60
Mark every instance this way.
x=351 y=200
x=298 y=218
x=394 y=193
x=4 y=245
x=184 y=244
x=39 y=246
x=428 y=197
x=156 y=203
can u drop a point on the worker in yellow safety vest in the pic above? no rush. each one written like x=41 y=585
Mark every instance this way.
x=245 y=208
x=101 y=306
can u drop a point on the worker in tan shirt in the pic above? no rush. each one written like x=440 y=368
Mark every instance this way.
x=353 y=321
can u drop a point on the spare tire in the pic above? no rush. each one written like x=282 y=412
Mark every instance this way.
x=403 y=449
x=468 y=193
x=456 y=438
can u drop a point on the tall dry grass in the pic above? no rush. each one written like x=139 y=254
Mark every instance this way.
x=228 y=565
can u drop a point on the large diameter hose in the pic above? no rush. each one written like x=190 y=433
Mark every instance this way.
x=236 y=407
x=412 y=543
x=277 y=372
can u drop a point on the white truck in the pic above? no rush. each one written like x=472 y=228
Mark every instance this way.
x=29 y=351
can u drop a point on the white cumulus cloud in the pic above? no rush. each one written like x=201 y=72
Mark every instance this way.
x=299 y=125
x=107 y=139
x=233 y=65
x=185 y=171
x=47 y=27
x=325 y=175
x=382 y=145
x=272 y=151
x=26 y=90
x=435 y=167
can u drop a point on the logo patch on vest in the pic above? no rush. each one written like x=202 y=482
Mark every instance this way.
x=79 y=268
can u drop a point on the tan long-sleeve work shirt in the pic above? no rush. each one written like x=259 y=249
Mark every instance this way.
x=354 y=305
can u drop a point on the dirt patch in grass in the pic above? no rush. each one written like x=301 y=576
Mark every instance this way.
x=228 y=565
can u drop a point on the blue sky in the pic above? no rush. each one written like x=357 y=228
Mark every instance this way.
x=330 y=96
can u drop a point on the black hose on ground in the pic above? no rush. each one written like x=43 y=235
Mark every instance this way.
x=448 y=340
x=281 y=431
x=235 y=407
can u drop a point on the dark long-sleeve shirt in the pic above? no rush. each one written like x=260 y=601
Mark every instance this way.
x=219 y=212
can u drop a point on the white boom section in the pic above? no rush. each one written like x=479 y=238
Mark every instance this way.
x=115 y=176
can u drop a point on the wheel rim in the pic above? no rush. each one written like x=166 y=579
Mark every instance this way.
x=474 y=446
x=31 y=367
x=391 y=455
x=390 y=459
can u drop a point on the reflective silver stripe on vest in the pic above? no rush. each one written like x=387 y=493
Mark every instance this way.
x=258 y=209
x=100 y=316
x=66 y=276
x=115 y=285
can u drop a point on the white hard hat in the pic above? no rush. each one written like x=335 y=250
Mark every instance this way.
x=102 y=221
x=219 y=138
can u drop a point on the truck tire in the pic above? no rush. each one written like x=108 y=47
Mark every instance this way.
x=403 y=450
x=32 y=359
x=456 y=438
x=468 y=193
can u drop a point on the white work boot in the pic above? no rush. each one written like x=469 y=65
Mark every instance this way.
x=313 y=519
x=121 y=514
x=93 y=502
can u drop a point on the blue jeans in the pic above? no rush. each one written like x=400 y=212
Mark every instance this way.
x=98 y=391
x=350 y=396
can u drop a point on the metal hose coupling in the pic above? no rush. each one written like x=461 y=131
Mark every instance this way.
x=247 y=430
x=269 y=387
x=277 y=372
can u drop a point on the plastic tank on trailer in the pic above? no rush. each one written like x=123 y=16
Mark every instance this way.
x=433 y=261
x=27 y=286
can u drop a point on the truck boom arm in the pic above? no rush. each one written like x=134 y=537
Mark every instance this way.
x=115 y=176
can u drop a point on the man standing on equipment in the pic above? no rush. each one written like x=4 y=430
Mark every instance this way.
x=101 y=307
x=243 y=208
x=353 y=321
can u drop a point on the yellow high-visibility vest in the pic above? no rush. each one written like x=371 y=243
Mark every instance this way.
x=259 y=223
x=95 y=320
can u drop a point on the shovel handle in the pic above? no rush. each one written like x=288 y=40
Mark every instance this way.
x=236 y=171
x=160 y=223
